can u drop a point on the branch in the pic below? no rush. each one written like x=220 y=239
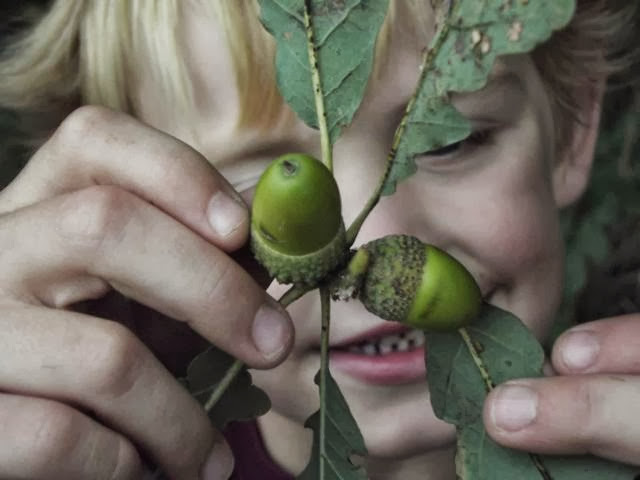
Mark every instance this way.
x=327 y=155
x=324 y=366
x=427 y=61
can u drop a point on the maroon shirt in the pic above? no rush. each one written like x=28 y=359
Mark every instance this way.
x=252 y=462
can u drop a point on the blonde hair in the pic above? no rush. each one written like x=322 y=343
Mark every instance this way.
x=86 y=51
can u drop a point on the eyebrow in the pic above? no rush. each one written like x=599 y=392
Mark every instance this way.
x=504 y=89
x=502 y=81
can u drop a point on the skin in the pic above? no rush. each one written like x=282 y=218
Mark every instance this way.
x=85 y=217
x=94 y=224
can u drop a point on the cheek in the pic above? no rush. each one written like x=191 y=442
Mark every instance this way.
x=522 y=223
x=519 y=235
x=519 y=242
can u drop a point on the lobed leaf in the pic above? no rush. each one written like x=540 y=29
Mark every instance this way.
x=339 y=443
x=461 y=56
x=507 y=350
x=345 y=33
x=240 y=401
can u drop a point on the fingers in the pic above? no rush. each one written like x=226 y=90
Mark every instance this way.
x=95 y=145
x=135 y=233
x=68 y=248
x=568 y=415
x=37 y=434
x=589 y=408
x=110 y=203
x=605 y=346
x=100 y=366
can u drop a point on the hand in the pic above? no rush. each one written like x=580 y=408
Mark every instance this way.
x=109 y=203
x=589 y=406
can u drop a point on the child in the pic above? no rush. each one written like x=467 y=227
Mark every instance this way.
x=151 y=203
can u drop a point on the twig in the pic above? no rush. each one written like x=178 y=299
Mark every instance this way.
x=289 y=297
x=293 y=294
x=222 y=386
x=325 y=304
x=327 y=155
x=427 y=60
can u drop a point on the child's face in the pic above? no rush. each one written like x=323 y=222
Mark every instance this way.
x=490 y=202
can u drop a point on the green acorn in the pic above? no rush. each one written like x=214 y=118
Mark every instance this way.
x=297 y=231
x=417 y=284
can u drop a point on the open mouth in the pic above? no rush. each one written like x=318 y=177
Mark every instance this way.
x=390 y=356
x=387 y=344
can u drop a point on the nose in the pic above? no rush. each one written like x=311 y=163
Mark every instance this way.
x=359 y=164
x=387 y=218
x=357 y=169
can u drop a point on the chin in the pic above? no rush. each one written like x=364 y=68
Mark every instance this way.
x=401 y=444
x=398 y=422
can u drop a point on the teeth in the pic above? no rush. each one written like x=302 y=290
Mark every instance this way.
x=369 y=349
x=388 y=344
x=403 y=345
x=416 y=337
x=391 y=343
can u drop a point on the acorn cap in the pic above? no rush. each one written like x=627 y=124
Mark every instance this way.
x=417 y=284
x=308 y=269
x=393 y=276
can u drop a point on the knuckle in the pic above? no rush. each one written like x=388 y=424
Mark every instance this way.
x=116 y=355
x=84 y=122
x=214 y=289
x=197 y=439
x=91 y=215
x=178 y=162
x=216 y=286
x=128 y=465
x=57 y=432
x=589 y=396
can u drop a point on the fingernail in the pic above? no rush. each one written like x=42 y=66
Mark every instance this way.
x=219 y=465
x=514 y=407
x=271 y=330
x=225 y=213
x=579 y=350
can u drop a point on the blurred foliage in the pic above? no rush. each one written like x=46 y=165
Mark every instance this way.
x=602 y=230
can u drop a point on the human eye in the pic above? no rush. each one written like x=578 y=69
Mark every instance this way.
x=475 y=139
x=457 y=155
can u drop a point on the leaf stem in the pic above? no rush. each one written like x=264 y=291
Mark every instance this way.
x=236 y=367
x=427 y=60
x=288 y=298
x=490 y=385
x=325 y=141
x=325 y=305
x=224 y=383
x=294 y=293
x=477 y=359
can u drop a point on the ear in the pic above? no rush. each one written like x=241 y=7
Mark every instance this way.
x=573 y=168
